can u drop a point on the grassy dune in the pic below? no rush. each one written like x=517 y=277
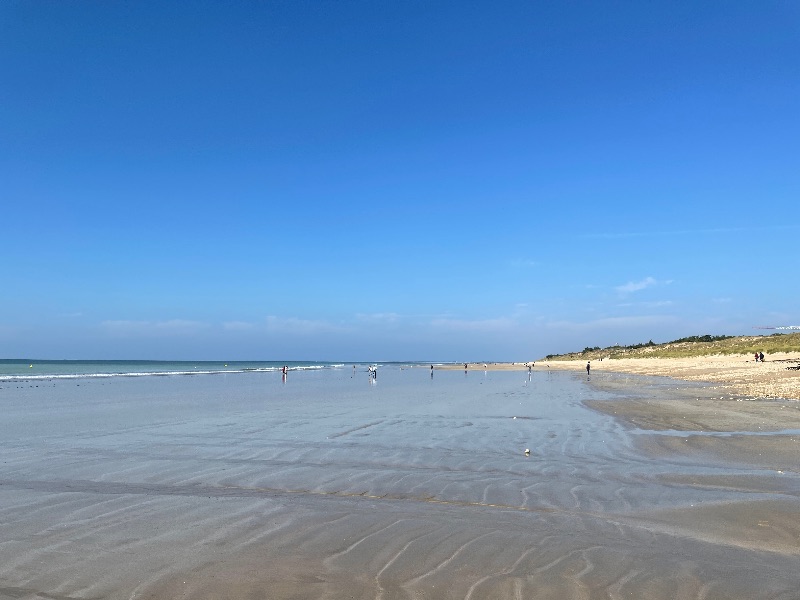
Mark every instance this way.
x=768 y=344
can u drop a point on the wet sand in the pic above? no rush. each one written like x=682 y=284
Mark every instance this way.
x=414 y=486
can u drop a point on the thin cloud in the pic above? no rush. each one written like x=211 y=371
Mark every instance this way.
x=379 y=317
x=612 y=323
x=239 y=326
x=653 y=304
x=275 y=324
x=636 y=286
x=153 y=328
x=480 y=325
x=524 y=262
x=300 y=326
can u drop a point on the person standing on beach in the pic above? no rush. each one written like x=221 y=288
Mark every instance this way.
x=588 y=366
x=761 y=356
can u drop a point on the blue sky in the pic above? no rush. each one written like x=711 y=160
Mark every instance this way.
x=394 y=180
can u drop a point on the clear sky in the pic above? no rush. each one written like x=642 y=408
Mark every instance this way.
x=375 y=180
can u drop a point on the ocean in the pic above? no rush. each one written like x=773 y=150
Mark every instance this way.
x=47 y=369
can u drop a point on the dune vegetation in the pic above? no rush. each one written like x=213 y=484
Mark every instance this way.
x=705 y=345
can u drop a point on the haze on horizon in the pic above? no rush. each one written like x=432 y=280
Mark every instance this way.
x=394 y=181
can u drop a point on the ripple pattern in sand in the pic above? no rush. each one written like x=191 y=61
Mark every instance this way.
x=421 y=491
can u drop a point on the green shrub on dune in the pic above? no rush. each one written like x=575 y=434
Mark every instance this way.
x=696 y=345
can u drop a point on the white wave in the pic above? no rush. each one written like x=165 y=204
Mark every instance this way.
x=49 y=376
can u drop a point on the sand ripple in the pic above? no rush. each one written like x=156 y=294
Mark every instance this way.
x=399 y=499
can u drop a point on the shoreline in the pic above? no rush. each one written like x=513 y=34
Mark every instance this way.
x=734 y=374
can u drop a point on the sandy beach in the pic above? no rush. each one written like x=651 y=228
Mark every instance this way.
x=734 y=374
x=412 y=485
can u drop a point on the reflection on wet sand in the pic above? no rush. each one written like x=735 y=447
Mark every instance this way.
x=418 y=488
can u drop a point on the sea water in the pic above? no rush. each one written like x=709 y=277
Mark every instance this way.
x=38 y=369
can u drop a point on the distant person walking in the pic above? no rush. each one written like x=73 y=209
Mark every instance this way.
x=588 y=367
x=761 y=356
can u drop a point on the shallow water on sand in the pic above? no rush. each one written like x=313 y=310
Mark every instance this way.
x=333 y=485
